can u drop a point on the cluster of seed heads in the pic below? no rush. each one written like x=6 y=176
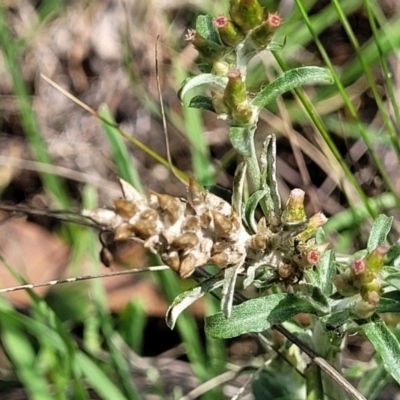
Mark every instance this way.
x=186 y=234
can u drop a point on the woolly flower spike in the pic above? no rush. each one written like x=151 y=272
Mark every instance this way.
x=186 y=234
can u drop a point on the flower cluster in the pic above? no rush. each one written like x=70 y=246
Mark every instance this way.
x=363 y=279
x=227 y=46
x=204 y=229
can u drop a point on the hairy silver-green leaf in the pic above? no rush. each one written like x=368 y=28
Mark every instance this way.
x=391 y=276
x=202 y=102
x=321 y=276
x=251 y=206
x=314 y=296
x=393 y=255
x=257 y=315
x=379 y=231
x=386 y=345
x=291 y=80
x=228 y=289
x=269 y=181
x=206 y=28
x=202 y=79
x=242 y=139
x=238 y=185
x=389 y=302
x=185 y=299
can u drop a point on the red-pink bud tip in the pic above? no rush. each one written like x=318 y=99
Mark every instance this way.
x=297 y=194
x=220 y=21
x=234 y=74
x=313 y=257
x=382 y=250
x=358 y=266
x=275 y=20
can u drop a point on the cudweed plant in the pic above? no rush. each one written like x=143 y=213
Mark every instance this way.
x=284 y=253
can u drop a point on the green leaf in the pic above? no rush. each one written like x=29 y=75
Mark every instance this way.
x=336 y=319
x=220 y=191
x=379 y=231
x=206 y=28
x=314 y=296
x=202 y=102
x=291 y=80
x=202 y=79
x=389 y=302
x=386 y=345
x=251 y=206
x=257 y=315
x=393 y=255
x=185 y=299
x=392 y=278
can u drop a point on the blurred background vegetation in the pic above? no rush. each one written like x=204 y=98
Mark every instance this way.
x=107 y=339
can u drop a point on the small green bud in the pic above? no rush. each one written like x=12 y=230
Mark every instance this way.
x=235 y=91
x=363 y=309
x=375 y=260
x=221 y=68
x=221 y=108
x=371 y=292
x=207 y=49
x=344 y=284
x=244 y=114
x=294 y=211
x=247 y=14
x=262 y=35
x=306 y=255
x=315 y=222
x=229 y=33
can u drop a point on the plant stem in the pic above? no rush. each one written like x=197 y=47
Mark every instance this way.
x=313 y=376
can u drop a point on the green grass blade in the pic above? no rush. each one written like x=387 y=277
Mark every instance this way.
x=100 y=382
x=193 y=129
x=22 y=355
x=119 y=151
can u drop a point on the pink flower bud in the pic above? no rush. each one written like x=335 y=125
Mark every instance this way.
x=229 y=33
x=235 y=91
x=274 y=20
x=315 y=222
x=294 y=211
x=262 y=35
x=375 y=260
x=358 y=266
x=313 y=257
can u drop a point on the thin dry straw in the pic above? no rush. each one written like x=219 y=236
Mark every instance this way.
x=82 y=278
